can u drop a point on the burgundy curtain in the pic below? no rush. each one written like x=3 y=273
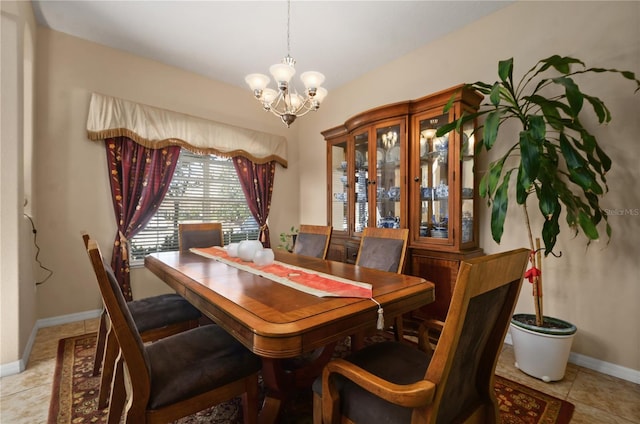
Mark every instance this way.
x=139 y=179
x=257 y=185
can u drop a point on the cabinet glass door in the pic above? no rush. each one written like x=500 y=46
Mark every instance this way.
x=361 y=181
x=339 y=187
x=434 y=179
x=467 y=177
x=387 y=183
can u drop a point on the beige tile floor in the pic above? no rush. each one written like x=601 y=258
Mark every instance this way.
x=598 y=398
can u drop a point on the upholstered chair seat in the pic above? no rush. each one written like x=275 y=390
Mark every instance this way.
x=194 y=362
x=161 y=311
x=396 y=363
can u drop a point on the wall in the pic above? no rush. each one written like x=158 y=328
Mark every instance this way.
x=595 y=288
x=17 y=279
x=71 y=179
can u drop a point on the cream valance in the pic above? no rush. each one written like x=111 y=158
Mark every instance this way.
x=157 y=128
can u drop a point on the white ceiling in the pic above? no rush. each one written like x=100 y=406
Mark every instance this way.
x=225 y=40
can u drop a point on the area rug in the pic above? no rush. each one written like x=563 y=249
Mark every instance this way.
x=75 y=396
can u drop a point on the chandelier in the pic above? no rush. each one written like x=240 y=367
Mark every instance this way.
x=286 y=102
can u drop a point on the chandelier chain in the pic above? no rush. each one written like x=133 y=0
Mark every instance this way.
x=288 y=27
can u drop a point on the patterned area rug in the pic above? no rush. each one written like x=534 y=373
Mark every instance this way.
x=75 y=396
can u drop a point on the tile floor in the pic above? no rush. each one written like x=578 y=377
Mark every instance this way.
x=598 y=398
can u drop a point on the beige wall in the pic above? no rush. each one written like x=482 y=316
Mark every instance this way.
x=595 y=288
x=17 y=279
x=72 y=186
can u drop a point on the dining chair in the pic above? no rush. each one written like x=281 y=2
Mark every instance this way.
x=454 y=382
x=313 y=240
x=155 y=317
x=384 y=249
x=180 y=374
x=203 y=234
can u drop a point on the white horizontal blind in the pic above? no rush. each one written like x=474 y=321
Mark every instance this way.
x=204 y=188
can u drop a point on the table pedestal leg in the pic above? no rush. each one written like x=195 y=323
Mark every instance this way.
x=280 y=383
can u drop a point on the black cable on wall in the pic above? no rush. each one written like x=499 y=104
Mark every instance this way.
x=35 y=243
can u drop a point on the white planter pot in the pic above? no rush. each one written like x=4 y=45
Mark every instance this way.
x=541 y=352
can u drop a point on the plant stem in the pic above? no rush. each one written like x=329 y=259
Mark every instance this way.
x=538 y=284
x=535 y=260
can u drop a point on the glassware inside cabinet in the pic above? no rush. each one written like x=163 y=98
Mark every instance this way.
x=340 y=185
x=361 y=181
x=388 y=191
x=434 y=175
x=467 y=156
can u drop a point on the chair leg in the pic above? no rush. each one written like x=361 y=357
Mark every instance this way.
x=317 y=409
x=102 y=335
x=118 y=393
x=110 y=354
x=398 y=329
x=135 y=412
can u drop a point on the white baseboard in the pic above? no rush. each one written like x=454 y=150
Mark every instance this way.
x=12 y=368
x=19 y=366
x=574 y=358
x=603 y=367
x=66 y=319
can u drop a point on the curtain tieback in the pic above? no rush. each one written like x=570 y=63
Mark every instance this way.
x=263 y=233
x=123 y=246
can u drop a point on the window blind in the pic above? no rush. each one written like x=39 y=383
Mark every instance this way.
x=204 y=188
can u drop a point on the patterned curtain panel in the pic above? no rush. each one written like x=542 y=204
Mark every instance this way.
x=257 y=185
x=139 y=178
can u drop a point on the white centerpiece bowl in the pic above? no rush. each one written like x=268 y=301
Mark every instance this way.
x=247 y=249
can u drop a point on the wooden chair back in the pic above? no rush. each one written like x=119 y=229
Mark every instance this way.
x=458 y=385
x=465 y=358
x=159 y=377
x=383 y=248
x=122 y=322
x=313 y=240
x=204 y=234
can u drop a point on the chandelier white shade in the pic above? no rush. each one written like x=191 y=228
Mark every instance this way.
x=285 y=101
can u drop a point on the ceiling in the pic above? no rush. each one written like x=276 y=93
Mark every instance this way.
x=225 y=40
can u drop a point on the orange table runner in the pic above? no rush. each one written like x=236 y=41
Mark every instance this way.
x=305 y=280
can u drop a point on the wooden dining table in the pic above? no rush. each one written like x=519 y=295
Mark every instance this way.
x=281 y=324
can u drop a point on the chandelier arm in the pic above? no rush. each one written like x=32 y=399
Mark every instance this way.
x=307 y=105
x=277 y=103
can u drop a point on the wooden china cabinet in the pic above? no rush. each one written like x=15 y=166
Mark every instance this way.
x=386 y=168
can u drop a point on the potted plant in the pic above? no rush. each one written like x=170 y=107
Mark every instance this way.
x=287 y=240
x=555 y=160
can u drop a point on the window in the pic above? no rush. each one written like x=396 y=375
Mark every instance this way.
x=204 y=188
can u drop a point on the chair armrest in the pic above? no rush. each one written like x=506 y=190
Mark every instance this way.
x=413 y=395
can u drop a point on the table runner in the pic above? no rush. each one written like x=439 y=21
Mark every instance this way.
x=302 y=279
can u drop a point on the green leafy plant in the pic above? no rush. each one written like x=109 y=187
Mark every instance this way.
x=555 y=158
x=287 y=240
